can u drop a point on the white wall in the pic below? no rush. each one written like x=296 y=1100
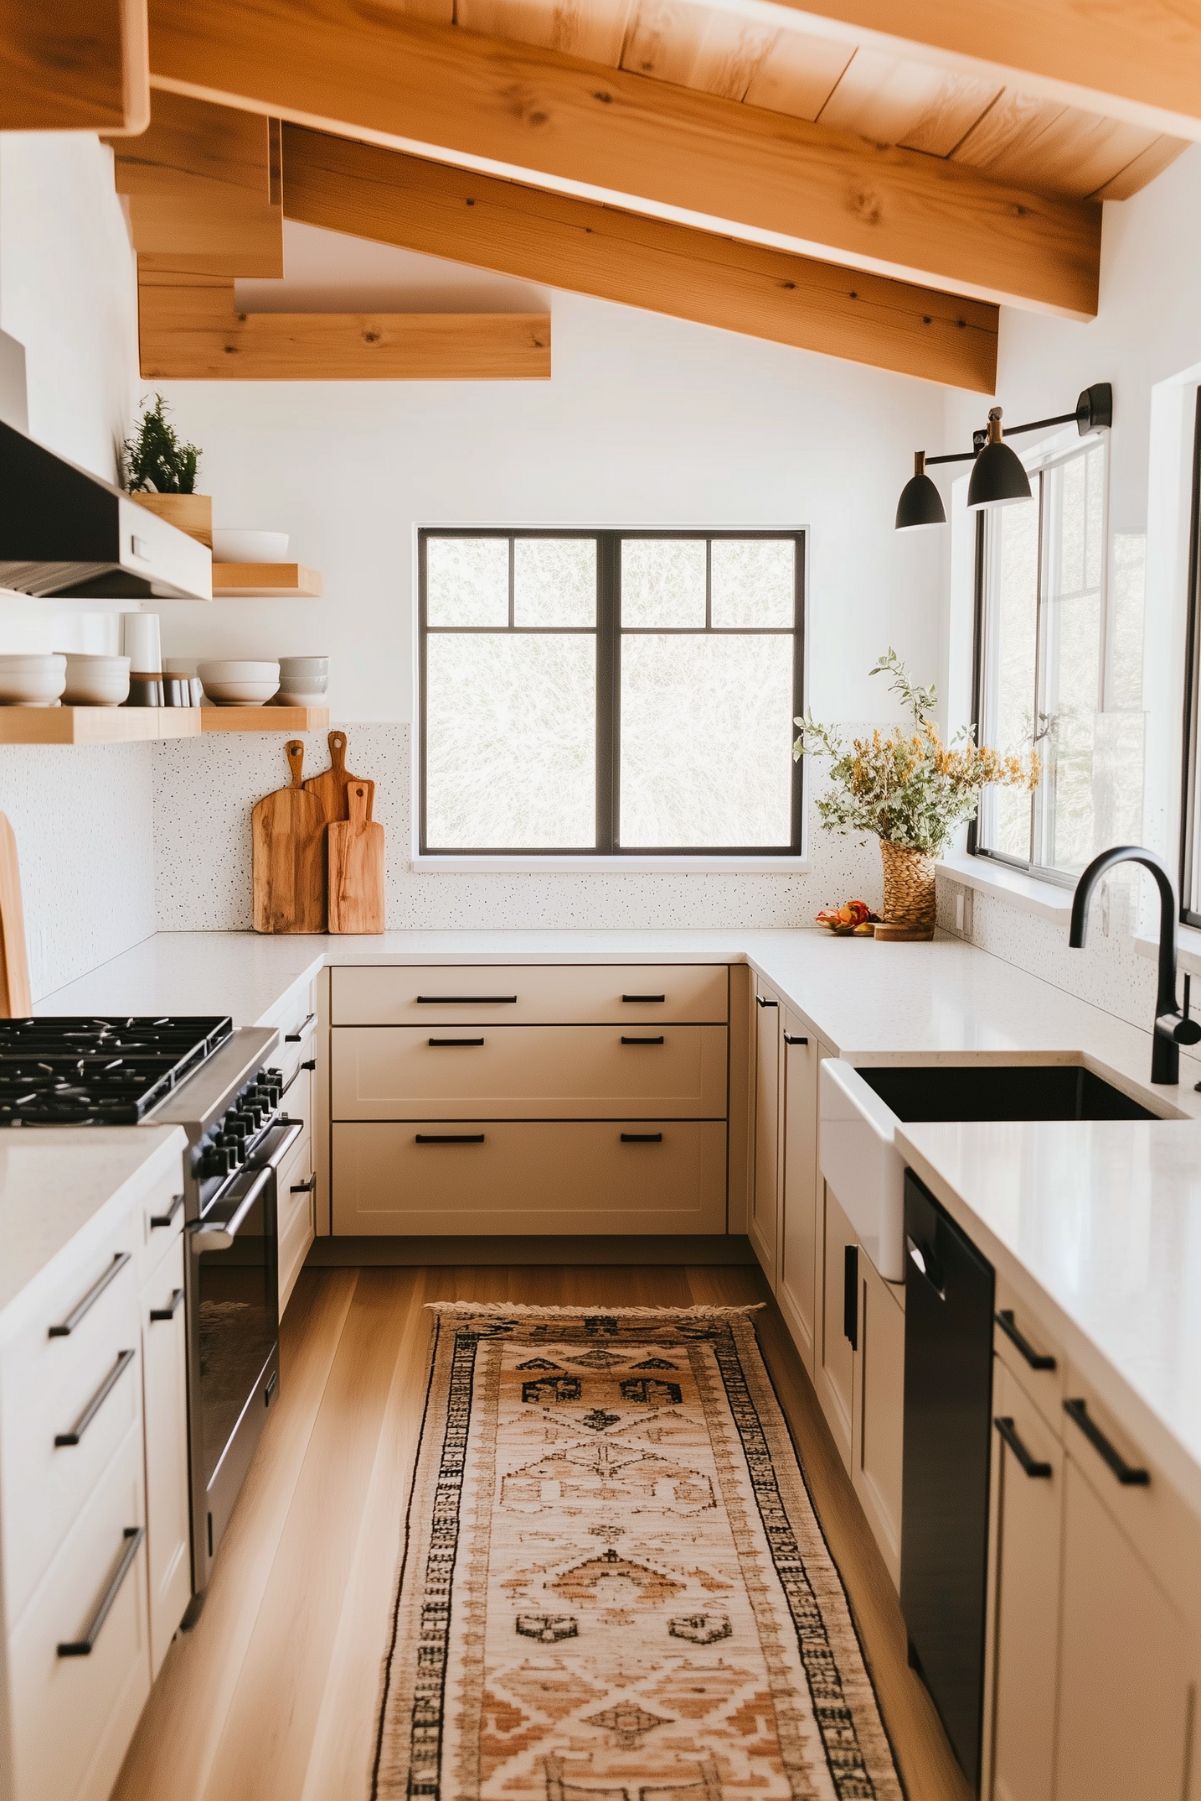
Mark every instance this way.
x=1146 y=341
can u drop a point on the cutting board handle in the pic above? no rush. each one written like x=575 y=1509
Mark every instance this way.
x=356 y=801
x=337 y=752
x=295 y=754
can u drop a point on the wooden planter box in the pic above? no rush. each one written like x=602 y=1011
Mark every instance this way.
x=192 y=513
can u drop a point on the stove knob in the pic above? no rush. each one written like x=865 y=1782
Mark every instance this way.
x=215 y=1160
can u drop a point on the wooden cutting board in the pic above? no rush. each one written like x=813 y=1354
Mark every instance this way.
x=355 y=849
x=288 y=866
x=15 y=999
x=331 y=785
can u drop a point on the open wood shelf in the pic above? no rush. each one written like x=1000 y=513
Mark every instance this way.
x=96 y=725
x=264 y=719
x=272 y=580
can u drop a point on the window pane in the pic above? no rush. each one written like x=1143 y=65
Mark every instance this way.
x=663 y=582
x=1078 y=792
x=1011 y=647
x=706 y=741
x=510 y=742
x=754 y=582
x=554 y=581
x=467 y=581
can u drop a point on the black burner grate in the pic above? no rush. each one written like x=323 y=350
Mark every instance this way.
x=75 y=1071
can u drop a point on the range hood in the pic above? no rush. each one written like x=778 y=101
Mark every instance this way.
x=65 y=532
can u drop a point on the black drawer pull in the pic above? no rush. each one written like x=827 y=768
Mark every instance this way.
x=169 y=1312
x=304 y=1187
x=794 y=1038
x=1038 y=1360
x=1033 y=1466
x=445 y=1043
x=1128 y=1474
x=449 y=1138
x=84 y=1307
x=850 y=1295
x=466 y=1000
x=83 y=1647
x=310 y=1063
x=310 y=1019
x=97 y=1401
x=642 y=1138
x=164 y=1219
x=763 y=1002
x=643 y=1000
x=659 y=1040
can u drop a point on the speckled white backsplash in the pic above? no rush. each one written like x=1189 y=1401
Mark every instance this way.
x=83 y=824
x=204 y=789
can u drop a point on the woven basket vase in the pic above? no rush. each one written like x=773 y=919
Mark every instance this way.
x=908 y=887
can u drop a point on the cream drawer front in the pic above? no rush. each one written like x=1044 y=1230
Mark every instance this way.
x=161 y=1215
x=295 y=1204
x=529 y=1072
x=297 y=1022
x=165 y=1410
x=86 y=1384
x=540 y=1177
x=73 y=1717
x=531 y=994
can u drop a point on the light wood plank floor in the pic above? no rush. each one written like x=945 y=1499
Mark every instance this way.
x=272 y=1695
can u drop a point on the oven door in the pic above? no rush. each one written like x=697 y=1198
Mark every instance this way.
x=233 y=1352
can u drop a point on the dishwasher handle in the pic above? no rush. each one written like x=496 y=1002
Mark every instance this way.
x=926 y=1264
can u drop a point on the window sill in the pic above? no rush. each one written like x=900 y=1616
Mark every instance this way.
x=1188 y=948
x=632 y=865
x=1026 y=892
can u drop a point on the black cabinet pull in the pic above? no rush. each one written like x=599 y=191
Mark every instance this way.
x=466 y=1000
x=83 y=1647
x=449 y=1138
x=644 y=1000
x=1038 y=1360
x=445 y=1043
x=642 y=1138
x=794 y=1038
x=295 y=1037
x=310 y=1063
x=304 y=1187
x=659 y=1040
x=1033 y=1466
x=164 y=1219
x=760 y=1001
x=84 y=1307
x=850 y=1295
x=1128 y=1474
x=168 y=1312
x=97 y=1401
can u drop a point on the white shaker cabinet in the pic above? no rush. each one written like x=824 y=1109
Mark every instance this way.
x=165 y=1415
x=763 y=1226
x=796 y=1290
x=878 y=1408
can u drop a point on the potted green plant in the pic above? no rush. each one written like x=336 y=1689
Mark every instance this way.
x=159 y=470
x=910 y=790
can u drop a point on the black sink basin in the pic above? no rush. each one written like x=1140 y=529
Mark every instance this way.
x=1000 y=1091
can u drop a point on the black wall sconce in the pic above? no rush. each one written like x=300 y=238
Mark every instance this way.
x=999 y=477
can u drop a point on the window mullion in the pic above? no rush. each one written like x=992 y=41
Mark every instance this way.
x=608 y=701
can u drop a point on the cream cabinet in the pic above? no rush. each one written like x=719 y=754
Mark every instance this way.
x=834 y=1353
x=561 y=1099
x=763 y=1223
x=165 y=1414
x=878 y=1407
x=796 y=1289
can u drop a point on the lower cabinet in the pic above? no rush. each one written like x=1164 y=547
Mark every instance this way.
x=165 y=1417
x=878 y=1409
x=834 y=1352
x=296 y=1195
x=796 y=1289
x=763 y=1225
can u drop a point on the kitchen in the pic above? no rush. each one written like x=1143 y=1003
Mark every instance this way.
x=591 y=456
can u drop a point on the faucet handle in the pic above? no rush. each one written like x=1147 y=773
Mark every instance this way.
x=1187 y=1031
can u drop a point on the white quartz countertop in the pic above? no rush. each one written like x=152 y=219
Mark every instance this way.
x=62 y=1188
x=1098 y=1225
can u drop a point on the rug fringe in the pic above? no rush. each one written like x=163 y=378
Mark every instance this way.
x=509 y=1310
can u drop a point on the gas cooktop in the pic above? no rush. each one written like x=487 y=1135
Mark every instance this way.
x=110 y=1072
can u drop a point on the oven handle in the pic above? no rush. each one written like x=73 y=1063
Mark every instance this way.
x=221 y=1238
x=291 y=1129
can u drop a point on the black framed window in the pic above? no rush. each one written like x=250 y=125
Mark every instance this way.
x=610 y=692
x=1058 y=661
x=1190 y=813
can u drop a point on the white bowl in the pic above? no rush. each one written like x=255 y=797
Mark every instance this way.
x=237 y=682
x=307 y=666
x=32 y=681
x=303 y=681
x=94 y=681
x=241 y=545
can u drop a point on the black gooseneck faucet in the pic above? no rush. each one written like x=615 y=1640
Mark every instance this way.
x=1173 y=1027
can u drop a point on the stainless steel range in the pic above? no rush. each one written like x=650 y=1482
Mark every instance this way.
x=218 y=1085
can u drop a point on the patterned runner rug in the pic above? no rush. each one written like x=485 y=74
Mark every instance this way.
x=614 y=1586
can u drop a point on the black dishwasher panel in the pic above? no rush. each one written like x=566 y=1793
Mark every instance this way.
x=944 y=1518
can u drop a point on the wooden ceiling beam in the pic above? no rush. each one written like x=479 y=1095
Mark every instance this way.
x=203 y=186
x=532 y=113
x=74 y=65
x=566 y=242
x=191 y=330
x=1139 y=61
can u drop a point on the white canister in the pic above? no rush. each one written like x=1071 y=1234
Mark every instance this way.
x=143 y=644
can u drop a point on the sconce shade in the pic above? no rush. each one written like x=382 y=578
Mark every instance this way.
x=998 y=478
x=920 y=502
